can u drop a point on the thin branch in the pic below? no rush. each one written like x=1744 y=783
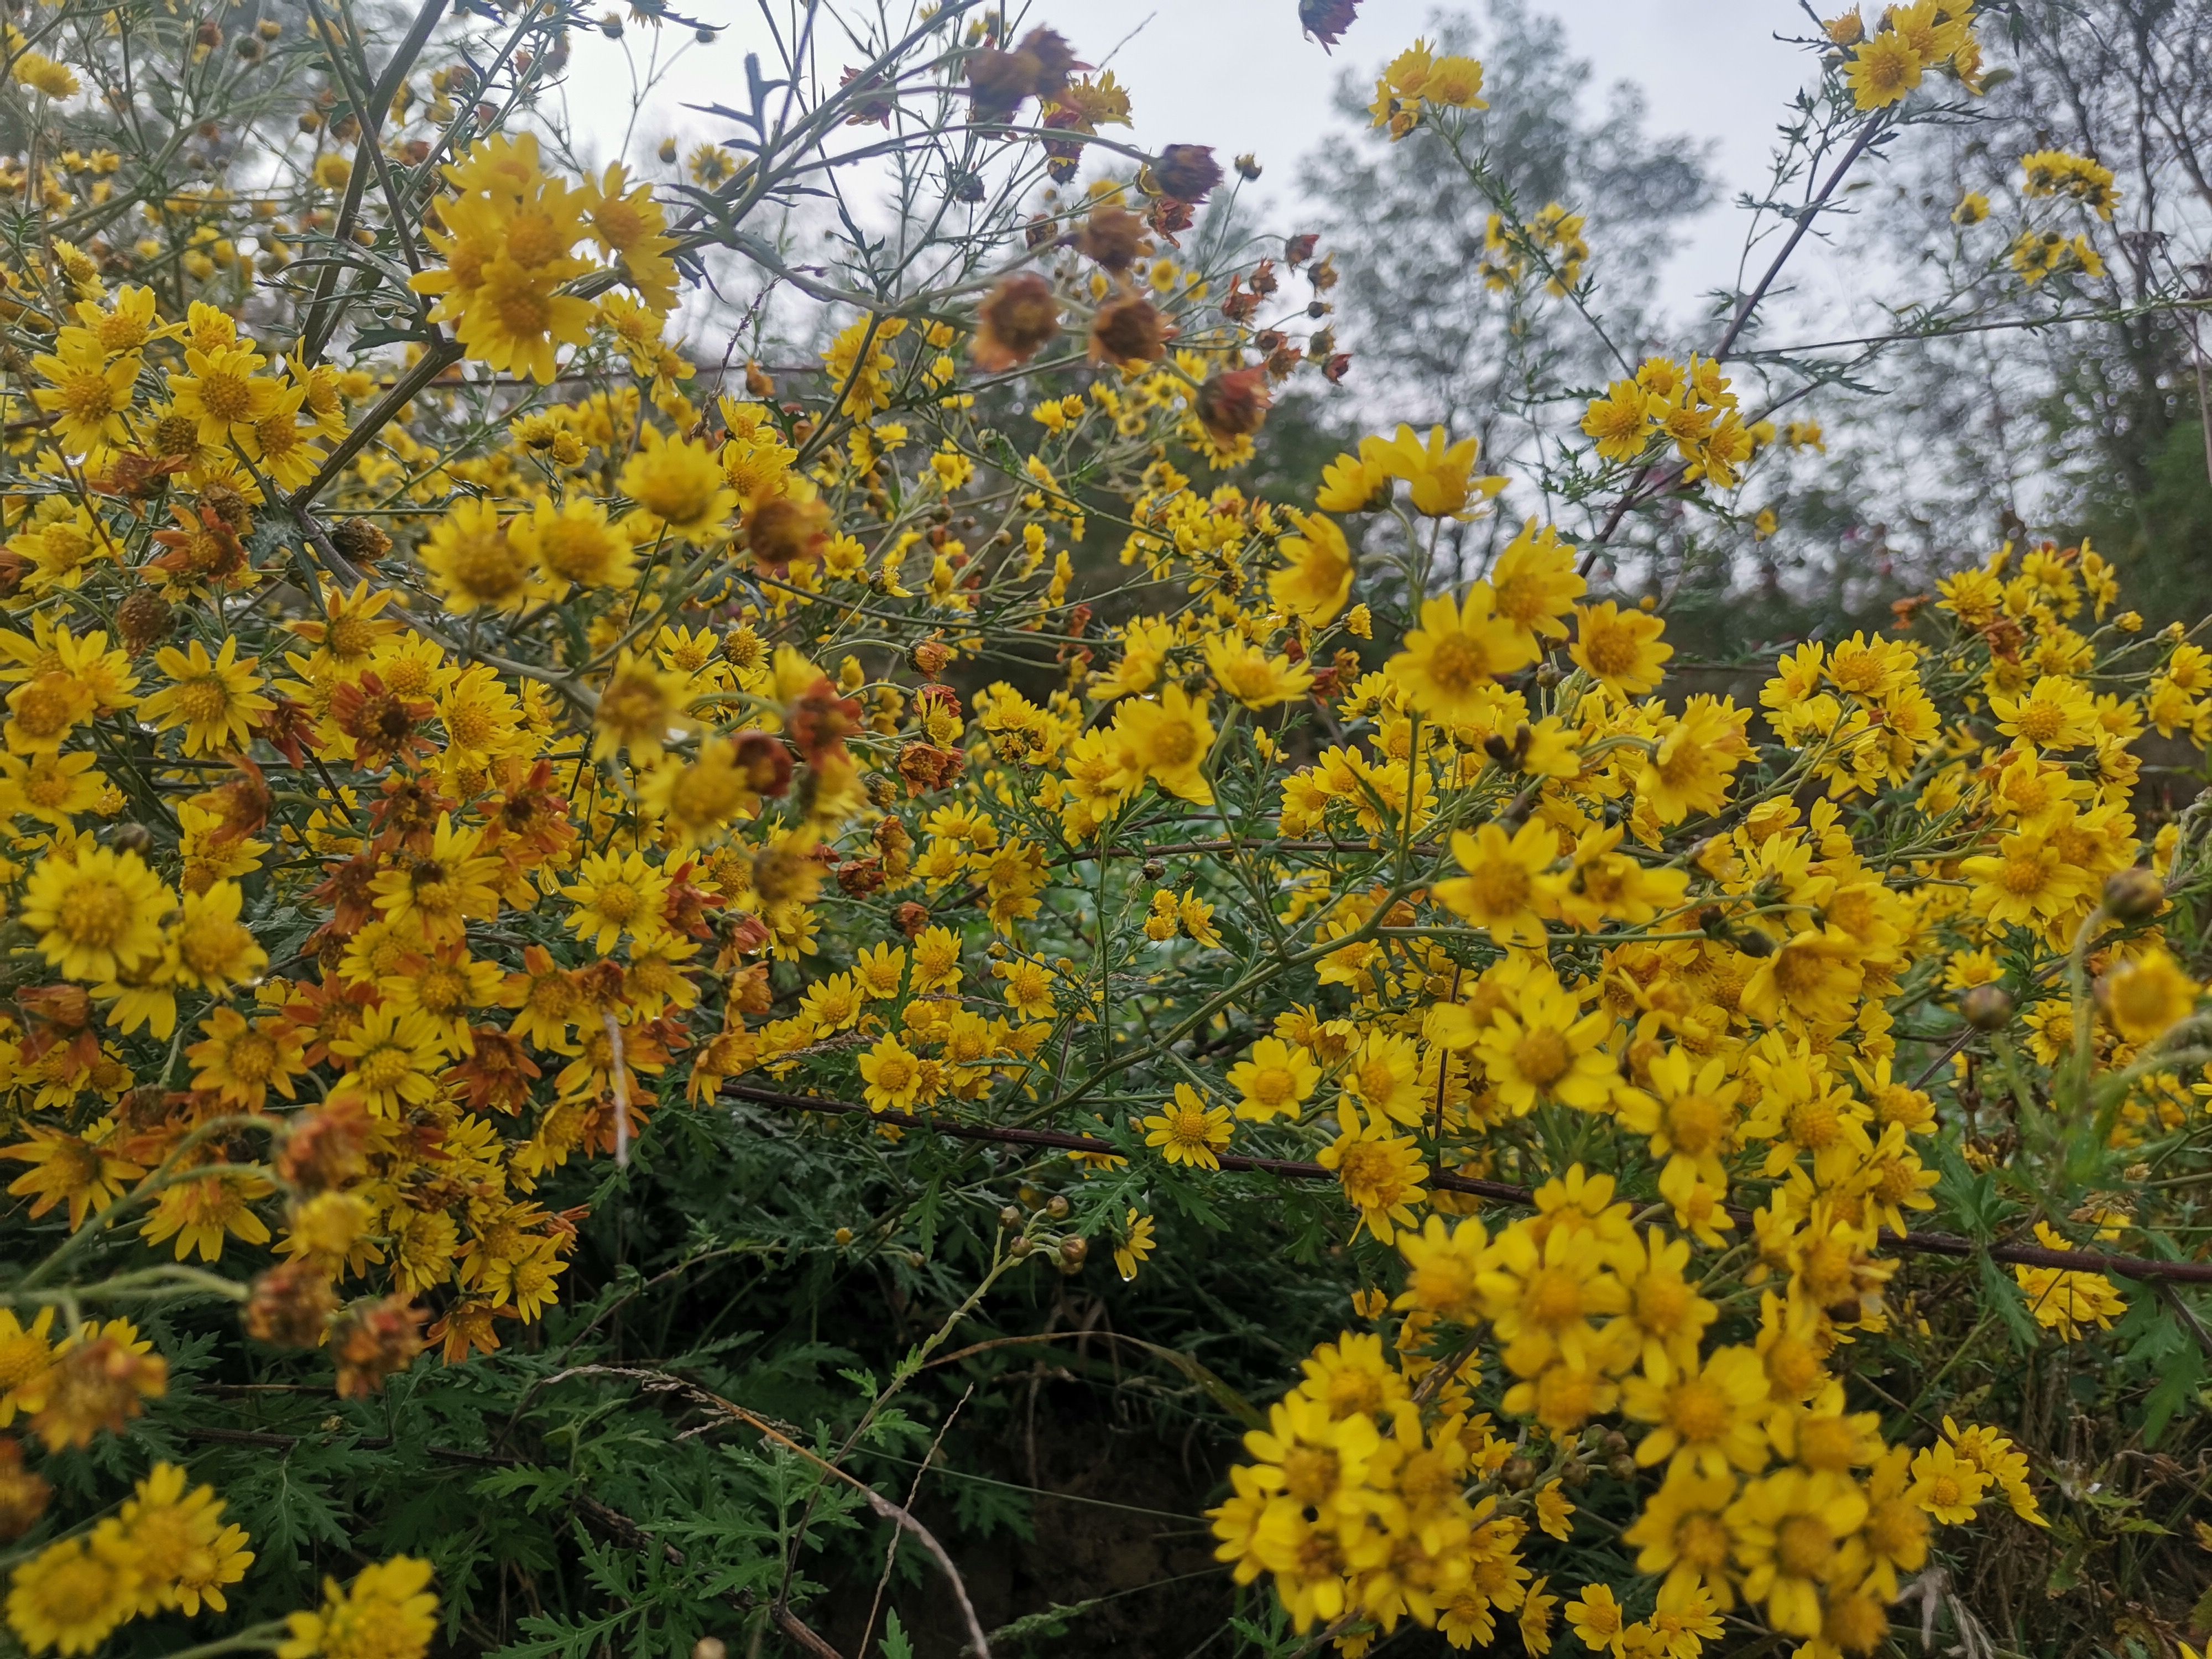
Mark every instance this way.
x=2142 y=1268
x=662 y=1383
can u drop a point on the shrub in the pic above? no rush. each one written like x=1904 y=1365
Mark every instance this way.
x=516 y=822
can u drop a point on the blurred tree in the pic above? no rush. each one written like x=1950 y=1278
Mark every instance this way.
x=1418 y=305
x=2070 y=406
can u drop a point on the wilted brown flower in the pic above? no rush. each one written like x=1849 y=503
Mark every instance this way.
x=821 y=720
x=143 y=620
x=325 y=1147
x=1016 y=318
x=860 y=878
x=1325 y=21
x=376 y=1340
x=1232 y=404
x=243 y=803
x=360 y=541
x=1129 y=329
x=998 y=82
x=93 y=1388
x=386 y=727
x=23 y=1492
x=291 y=1306
x=925 y=767
x=497 y=1075
x=1112 y=238
x=784 y=530
x=765 y=762
x=1187 y=173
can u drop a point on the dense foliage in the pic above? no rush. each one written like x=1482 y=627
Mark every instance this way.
x=831 y=990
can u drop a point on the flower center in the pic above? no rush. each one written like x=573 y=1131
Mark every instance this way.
x=383 y=1069
x=95 y=912
x=1802 y=1546
x=1699 y=1411
x=1554 y=1297
x=1611 y=651
x=226 y=396
x=617 y=901
x=1458 y=664
x=1542 y=1056
x=252 y=1058
x=203 y=701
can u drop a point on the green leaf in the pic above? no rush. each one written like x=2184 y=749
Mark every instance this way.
x=1052 y=1621
x=544 y=1487
x=929 y=1210
x=2178 y=1364
x=2004 y=1297
x=562 y=1638
x=987 y=1507
x=894 y=1644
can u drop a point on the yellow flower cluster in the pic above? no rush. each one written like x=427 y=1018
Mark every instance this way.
x=1720 y=1010
x=1377 y=1493
x=1553 y=239
x=508 y=236
x=2061 y=173
x=1691 y=407
x=167 y=1548
x=1418 y=77
x=1908 y=42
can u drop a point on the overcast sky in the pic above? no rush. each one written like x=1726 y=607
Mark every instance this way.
x=1239 y=76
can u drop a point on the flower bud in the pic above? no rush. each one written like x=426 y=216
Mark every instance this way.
x=2134 y=895
x=1987 y=1007
x=1057 y=1207
x=360 y=541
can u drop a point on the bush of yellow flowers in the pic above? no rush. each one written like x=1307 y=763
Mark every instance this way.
x=594 y=925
